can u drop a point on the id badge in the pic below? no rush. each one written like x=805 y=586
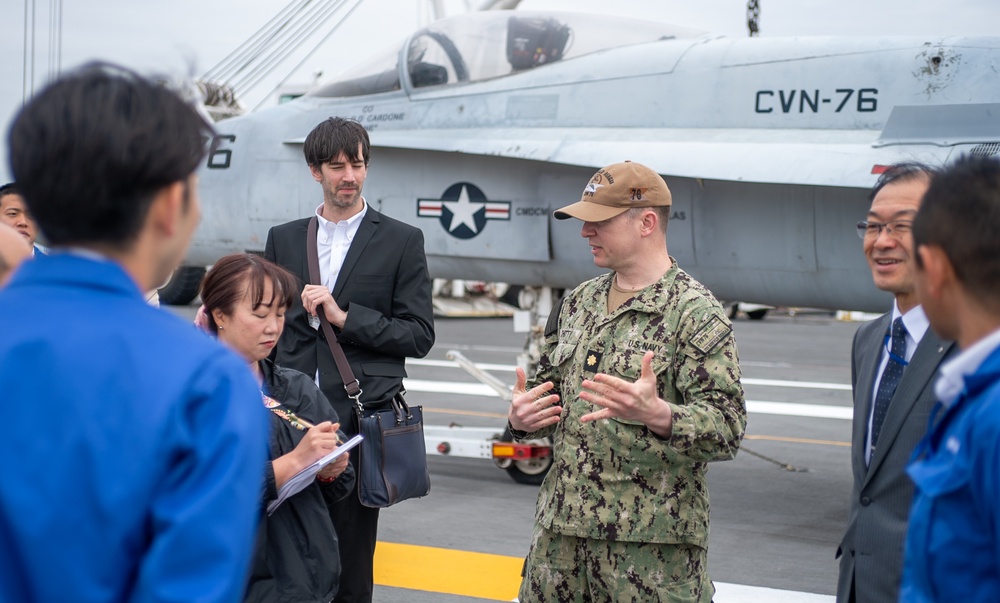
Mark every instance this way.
x=314 y=322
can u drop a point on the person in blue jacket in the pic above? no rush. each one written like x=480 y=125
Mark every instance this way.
x=953 y=540
x=133 y=464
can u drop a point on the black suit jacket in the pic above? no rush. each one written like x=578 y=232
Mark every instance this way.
x=386 y=290
x=872 y=547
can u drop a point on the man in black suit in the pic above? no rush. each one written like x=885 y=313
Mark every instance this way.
x=376 y=293
x=892 y=364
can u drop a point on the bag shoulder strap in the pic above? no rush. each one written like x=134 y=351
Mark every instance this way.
x=351 y=384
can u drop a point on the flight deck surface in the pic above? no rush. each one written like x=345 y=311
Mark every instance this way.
x=774 y=529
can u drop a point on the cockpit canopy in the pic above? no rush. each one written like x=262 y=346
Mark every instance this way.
x=484 y=45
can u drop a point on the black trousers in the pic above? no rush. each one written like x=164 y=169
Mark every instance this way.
x=357 y=527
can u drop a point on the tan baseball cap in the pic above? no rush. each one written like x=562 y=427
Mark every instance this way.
x=615 y=189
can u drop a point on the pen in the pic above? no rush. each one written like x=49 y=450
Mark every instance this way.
x=303 y=422
x=309 y=425
x=296 y=421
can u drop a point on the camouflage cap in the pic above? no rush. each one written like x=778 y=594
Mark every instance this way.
x=615 y=189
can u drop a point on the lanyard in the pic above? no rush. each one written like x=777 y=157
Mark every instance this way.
x=275 y=407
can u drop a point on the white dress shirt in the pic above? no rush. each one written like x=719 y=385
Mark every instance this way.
x=333 y=239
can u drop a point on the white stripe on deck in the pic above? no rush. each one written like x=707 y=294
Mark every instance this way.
x=737 y=593
x=746 y=380
x=757 y=406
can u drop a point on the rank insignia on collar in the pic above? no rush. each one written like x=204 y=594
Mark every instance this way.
x=591 y=361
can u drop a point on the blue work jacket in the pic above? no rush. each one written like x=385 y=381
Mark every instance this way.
x=133 y=445
x=953 y=541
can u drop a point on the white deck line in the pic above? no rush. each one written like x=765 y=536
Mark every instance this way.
x=791 y=409
x=737 y=593
x=746 y=380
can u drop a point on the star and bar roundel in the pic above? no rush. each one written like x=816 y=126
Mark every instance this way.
x=463 y=210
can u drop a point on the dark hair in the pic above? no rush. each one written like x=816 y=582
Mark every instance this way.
x=334 y=136
x=961 y=215
x=239 y=274
x=9 y=189
x=902 y=172
x=92 y=149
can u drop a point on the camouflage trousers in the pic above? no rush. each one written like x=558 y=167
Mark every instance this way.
x=568 y=569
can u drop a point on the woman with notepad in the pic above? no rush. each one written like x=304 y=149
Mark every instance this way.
x=245 y=298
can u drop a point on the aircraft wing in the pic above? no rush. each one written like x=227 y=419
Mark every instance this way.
x=808 y=157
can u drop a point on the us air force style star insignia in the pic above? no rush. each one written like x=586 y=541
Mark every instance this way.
x=463 y=210
x=710 y=335
x=592 y=361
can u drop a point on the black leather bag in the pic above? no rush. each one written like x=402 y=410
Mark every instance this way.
x=393 y=459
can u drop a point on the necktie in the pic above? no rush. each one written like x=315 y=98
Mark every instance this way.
x=890 y=377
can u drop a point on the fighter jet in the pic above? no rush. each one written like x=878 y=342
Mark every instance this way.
x=484 y=123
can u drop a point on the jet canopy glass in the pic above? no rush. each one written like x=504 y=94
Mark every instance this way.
x=490 y=44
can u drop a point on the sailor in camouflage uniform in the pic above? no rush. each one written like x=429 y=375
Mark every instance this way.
x=645 y=364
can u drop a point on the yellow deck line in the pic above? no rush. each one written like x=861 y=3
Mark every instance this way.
x=493 y=577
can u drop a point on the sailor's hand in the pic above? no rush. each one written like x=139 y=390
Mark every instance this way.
x=315 y=297
x=631 y=401
x=533 y=409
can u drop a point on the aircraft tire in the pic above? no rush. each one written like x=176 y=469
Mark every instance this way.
x=511 y=295
x=530 y=472
x=182 y=287
x=757 y=314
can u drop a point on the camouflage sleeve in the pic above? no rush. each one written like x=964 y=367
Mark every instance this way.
x=545 y=372
x=709 y=418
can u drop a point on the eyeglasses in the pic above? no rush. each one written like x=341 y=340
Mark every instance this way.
x=896 y=229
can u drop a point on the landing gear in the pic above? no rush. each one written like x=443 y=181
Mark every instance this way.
x=753 y=311
x=182 y=288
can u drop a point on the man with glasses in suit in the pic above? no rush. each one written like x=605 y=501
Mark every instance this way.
x=893 y=361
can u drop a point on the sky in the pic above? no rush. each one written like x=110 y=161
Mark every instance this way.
x=180 y=38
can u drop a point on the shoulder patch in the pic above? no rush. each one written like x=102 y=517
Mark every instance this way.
x=710 y=334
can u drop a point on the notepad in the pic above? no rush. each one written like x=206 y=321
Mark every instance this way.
x=300 y=480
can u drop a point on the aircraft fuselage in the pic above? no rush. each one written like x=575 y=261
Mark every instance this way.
x=768 y=145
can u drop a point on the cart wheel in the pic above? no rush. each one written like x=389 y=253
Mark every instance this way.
x=528 y=471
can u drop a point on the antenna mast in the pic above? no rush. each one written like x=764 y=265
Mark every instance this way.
x=753 y=17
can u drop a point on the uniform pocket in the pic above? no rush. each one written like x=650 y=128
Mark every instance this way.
x=562 y=353
x=626 y=362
